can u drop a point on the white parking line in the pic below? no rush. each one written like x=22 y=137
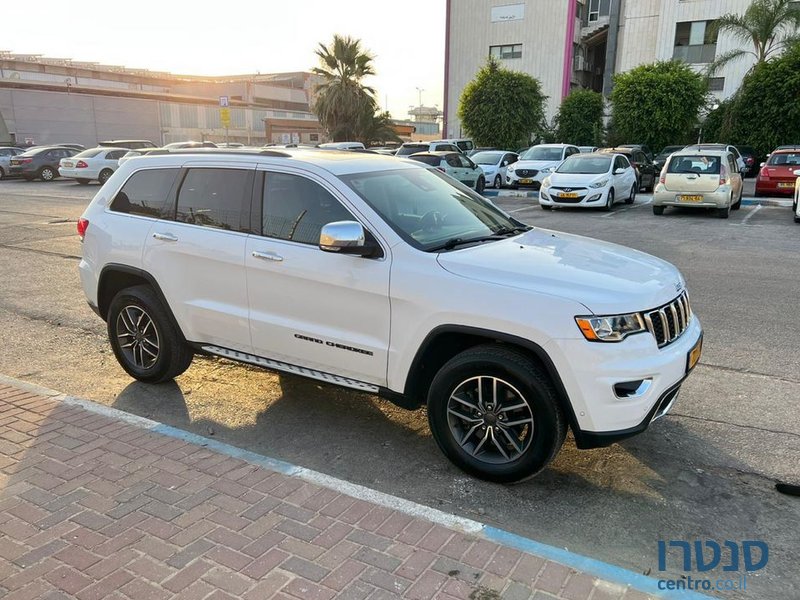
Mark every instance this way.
x=750 y=214
x=622 y=210
x=519 y=209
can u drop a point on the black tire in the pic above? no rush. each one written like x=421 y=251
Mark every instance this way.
x=481 y=185
x=47 y=174
x=83 y=181
x=658 y=210
x=796 y=219
x=173 y=354
x=2 y=173
x=738 y=204
x=104 y=175
x=518 y=374
x=609 y=200
x=632 y=196
x=724 y=213
x=546 y=206
x=498 y=182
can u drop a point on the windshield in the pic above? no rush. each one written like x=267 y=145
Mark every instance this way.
x=405 y=150
x=487 y=158
x=700 y=164
x=668 y=150
x=542 y=153
x=786 y=159
x=90 y=153
x=427 y=208
x=585 y=165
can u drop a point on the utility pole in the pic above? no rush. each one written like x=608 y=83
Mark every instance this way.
x=419 y=115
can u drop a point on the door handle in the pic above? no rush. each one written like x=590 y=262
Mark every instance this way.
x=165 y=237
x=267 y=256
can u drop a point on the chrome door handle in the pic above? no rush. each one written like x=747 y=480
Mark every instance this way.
x=165 y=237
x=267 y=256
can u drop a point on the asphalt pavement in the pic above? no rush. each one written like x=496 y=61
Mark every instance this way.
x=706 y=471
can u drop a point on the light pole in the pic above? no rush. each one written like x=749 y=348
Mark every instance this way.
x=419 y=91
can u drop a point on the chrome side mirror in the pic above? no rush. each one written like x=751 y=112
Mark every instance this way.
x=762 y=164
x=346 y=237
x=619 y=171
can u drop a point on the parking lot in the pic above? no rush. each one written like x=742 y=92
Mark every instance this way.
x=706 y=471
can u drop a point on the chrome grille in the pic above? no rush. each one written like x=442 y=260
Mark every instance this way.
x=526 y=172
x=668 y=322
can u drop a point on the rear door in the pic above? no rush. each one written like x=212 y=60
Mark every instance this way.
x=196 y=253
x=470 y=171
x=693 y=173
x=453 y=166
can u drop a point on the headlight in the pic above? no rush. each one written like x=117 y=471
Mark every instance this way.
x=548 y=170
x=599 y=184
x=610 y=329
x=546 y=182
x=510 y=168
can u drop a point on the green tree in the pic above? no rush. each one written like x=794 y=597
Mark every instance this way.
x=501 y=108
x=343 y=101
x=765 y=113
x=769 y=26
x=580 y=118
x=377 y=128
x=656 y=104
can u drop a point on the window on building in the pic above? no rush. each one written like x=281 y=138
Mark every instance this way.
x=695 y=42
x=504 y=52
x=598 y=9
x=313 y=137
x=716 y=84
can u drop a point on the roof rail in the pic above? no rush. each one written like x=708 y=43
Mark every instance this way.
x=225 y=151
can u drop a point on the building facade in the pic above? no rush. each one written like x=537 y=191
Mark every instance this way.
x=57 y=101
x=570 y=44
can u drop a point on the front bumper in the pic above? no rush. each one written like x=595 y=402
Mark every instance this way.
x=534 y=181
x=587 y=197
x=718 y=199
x=590 y=372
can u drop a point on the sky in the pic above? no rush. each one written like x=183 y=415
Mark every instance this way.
x=233 y=37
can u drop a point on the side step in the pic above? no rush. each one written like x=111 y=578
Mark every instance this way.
x=295 y=370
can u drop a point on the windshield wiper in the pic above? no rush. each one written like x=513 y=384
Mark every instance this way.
x=500 y=234
x=506 y=231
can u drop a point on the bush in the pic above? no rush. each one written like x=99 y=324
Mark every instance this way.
x=656 y=104
x=501 y=108
x=580 y=119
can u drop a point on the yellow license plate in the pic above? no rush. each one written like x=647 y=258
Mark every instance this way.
x=568 y=195
x=786 y=185
x=694 y=355
x=686 y=198
x=526 y=181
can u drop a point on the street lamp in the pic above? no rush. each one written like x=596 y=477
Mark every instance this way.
x=420 y=90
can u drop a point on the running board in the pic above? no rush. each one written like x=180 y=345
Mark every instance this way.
x=295 y=370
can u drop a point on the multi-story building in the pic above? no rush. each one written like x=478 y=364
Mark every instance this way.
x=569 y=44
x=45 y=100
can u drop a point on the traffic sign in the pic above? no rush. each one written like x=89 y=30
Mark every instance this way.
x=223 y=102
x=225 y=117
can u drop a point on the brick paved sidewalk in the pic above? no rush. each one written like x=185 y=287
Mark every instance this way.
x=93 y=507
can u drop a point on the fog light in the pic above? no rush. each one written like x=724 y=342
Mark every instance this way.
x=632 y=389
x=594 y=197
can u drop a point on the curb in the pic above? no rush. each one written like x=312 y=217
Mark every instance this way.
x=766 y=202
x=597 y=568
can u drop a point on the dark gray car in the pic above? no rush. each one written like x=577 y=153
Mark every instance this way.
x=40 y=163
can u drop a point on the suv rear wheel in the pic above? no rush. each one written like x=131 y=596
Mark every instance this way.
x=144 y=338
x=495 y=414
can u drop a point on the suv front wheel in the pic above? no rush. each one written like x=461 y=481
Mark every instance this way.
x=144 y=338
x=495 y=414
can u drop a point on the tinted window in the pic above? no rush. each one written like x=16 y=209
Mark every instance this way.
x=428 y=159
x=405 y=150
x=114 y=155
x=213 y=198
x=145 y=193
x=89 y=153
x=296 y=208
x=465 y=162
x=784 y=158
x=453 y=161
x=465 y=145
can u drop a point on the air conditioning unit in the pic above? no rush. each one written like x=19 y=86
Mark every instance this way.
x=580 y=64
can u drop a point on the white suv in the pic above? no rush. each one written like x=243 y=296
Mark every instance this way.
x=389 y=277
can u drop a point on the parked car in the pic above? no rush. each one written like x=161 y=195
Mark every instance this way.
x=796 y=203
x=410 y=148
x=77 y=147
x=97 y=163
x=749 y=157
x=456 y=165
x=537 y=162
x=465 y=145
x=474 y=151
x=179 y=145
x=595 y=180
x=494 y=164
x=510 y=335
x=661 y=158
x=700 y=179
x=588 y=149
x=740 y=164
x=643 y=147
x=777 y=174
x=342 y=146
x=130 y=144
x=6 y=152
x=646 y=173
x=40 y=163
x=133 y=153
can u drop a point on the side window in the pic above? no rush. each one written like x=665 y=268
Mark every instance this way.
x=116 y=154
x=296 y=208
x=452 y=160
x=145 y=193
x=732 y=164
x=214 y=198
x=510 y=159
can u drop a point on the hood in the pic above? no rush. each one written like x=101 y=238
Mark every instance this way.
x=604 y=277
x=576 y=179
x=535 y=164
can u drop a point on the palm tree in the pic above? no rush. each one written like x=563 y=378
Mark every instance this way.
x=377 y=128
x=769 y=25
x=342 y=99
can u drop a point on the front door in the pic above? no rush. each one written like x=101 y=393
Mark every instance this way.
x=310 y=308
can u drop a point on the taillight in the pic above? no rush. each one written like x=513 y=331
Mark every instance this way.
x=24 y=161
x=81 y=165
x=83 y=225
x=723 y=175
x=750 y=160
x=662 y=178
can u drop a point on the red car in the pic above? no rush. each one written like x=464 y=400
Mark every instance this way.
x=776 y=176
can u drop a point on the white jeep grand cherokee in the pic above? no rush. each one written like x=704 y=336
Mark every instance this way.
x=386 y=276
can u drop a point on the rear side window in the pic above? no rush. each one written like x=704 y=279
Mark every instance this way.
x=145 y=193
x=453 y=161
x=433 y=161
x=215 y=198
x=406 y=150
x=700 y=164
x=465 y=145
x=116 y=154
x=296 y=208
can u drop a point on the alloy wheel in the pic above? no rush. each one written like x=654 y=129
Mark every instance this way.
x=137 y=336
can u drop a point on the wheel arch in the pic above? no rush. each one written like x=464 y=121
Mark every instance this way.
x=445 y=341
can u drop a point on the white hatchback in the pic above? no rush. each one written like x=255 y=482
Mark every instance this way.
x=594 y=180
x=95 y=163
